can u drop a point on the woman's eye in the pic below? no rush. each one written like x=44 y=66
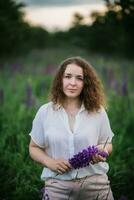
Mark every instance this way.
x=79 y=78
x=67 y=76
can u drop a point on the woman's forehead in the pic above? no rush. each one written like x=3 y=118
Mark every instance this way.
x=73 y=68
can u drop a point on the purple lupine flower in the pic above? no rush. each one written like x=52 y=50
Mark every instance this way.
x=44 y=193
x=49 y=69
x=83 y=158
x=110 y=78
x=16 y=67
x=29 y=101
x=125 y=86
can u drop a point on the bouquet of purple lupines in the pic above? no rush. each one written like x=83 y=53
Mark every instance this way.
x=83 y=158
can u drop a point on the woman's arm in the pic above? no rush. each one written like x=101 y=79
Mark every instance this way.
x=38 y=154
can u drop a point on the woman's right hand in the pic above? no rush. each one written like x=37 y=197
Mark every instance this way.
x=58 y=165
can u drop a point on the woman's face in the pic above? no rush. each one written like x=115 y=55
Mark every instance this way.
x=73 y=81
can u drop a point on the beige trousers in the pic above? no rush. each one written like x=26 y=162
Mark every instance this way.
x=95 y=187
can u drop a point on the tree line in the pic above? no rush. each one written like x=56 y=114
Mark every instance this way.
x=110 y=32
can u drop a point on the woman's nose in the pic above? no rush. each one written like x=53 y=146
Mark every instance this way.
x=73 y=81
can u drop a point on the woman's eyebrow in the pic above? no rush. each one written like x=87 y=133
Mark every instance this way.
x=78 y=75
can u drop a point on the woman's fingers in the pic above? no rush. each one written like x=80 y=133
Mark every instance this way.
x=97 y=158
x=61 y=171
x=67 y=164
x=63 y=166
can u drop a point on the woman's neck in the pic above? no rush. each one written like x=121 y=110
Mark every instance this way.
x=72 y=106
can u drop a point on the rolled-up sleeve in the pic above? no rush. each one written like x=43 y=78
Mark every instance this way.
x=38 y=133
x=106 y=133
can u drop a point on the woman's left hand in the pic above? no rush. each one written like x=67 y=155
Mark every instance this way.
x=98 y=158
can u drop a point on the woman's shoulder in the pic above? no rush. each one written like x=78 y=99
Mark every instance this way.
x=45 y=107
x=102 y=111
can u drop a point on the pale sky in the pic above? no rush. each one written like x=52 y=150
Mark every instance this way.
x=54 y=15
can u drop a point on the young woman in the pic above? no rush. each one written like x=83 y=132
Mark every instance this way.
x=74 y=119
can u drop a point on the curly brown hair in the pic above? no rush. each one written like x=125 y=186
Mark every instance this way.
x=92 y=95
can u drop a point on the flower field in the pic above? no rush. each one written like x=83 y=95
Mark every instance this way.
x=24 y=86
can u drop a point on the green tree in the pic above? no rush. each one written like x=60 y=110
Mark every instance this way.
x=113 y=31
x=11 y=19
x=77 y=19
x=124 y=10
x=16 y=35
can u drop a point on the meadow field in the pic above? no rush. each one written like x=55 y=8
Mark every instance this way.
x=24 y=86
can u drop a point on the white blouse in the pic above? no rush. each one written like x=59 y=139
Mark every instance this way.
x=51 y=131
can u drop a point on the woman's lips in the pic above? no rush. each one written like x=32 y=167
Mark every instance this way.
x=72 y=90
